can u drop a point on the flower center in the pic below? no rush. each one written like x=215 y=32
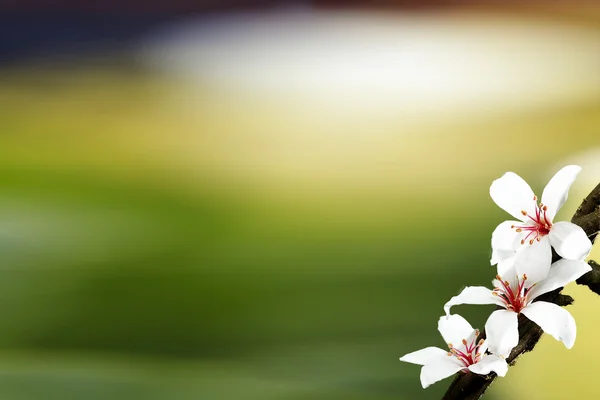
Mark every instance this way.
x=469 y=354
x=514 y=298
x=538 y=227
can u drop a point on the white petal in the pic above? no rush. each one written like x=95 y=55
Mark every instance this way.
x=557 y=190
x=506 y=270
x=505 y=241
x=534 y=260
x=425 y=356
x=511 y=193
x=473 y=295
x=489 y=363
x=553 y=320
x=562 y=272
x=570 y=241
x=438 y=370
x=502 y=332
x=454 y=328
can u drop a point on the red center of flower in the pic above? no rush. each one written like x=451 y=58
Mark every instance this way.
x=514 y=298
x=469 y=354
x=538 y=227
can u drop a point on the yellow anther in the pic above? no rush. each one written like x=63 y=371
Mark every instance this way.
x=464 y=341
x=531 y=241
x=523 y=212
x=523 y=241
x=519 y=230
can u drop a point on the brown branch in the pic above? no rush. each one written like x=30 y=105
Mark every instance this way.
x=469 y=386
x=592 y=278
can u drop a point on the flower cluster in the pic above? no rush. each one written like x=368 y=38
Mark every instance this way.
x=522 y=253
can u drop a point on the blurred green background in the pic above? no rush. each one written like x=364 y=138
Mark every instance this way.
x=163 y=242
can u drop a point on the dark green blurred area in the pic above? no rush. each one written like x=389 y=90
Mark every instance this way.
x=96 y=267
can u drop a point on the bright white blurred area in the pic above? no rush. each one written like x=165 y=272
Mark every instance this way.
x=407 y=64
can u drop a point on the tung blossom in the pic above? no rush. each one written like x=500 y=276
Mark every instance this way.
x=536 y=231
x=465 y=353
x=515 y=291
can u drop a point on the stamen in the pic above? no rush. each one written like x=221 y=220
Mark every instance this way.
x=519 y=230
x=464 y=342
x=513 y=296
x=523 y=212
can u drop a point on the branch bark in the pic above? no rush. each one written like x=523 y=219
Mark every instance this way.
x=469 y=386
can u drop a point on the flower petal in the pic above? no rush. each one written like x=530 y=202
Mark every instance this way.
x=507 y=271
x=425 y=356
x=553 y=320
x=473 y=295
x=562 y=272
x=489 y=363
x=511 y=193
x=534 y=261
x=557 y=190
x=438 y=370
x=454 y=328
x=502 y=332
x=570 y=241
x=505 y=241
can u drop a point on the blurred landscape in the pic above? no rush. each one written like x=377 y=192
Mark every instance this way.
x=274 y=200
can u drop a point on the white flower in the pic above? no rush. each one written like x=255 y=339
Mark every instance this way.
x=536 y=231
x=515 y=292
x=466 y=353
